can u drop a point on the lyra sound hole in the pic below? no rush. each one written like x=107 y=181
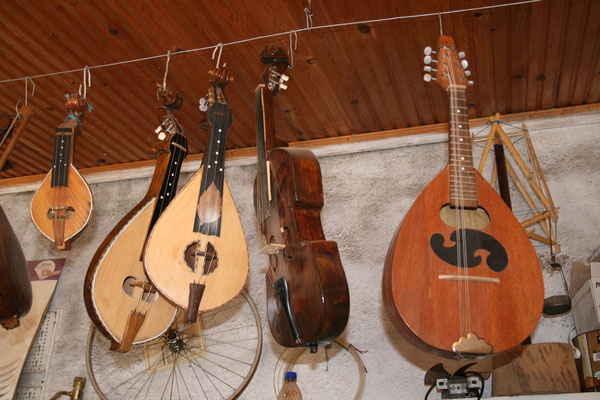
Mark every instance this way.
x=208 y=258
x=131 y=283
x=474 y=218
x=60 y=212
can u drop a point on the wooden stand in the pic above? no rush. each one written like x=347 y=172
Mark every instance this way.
x=543 y=209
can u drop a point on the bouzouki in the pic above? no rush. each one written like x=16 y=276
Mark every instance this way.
x=307 y=294
x=119 y=299
x=196 y=254
x=15 y=286
x=461 y=278
x=63 y=205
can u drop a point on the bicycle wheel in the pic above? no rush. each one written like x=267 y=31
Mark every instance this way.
x=213 y=358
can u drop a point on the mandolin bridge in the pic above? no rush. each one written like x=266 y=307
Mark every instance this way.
x=195 y=256
x=472 y=344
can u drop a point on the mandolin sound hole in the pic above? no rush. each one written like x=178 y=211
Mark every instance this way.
x=60 y=212
x=131 y=283
x=476 y=218
x=208 y=258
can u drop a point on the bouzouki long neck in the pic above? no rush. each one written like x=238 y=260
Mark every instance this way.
x=63 y=152
x=463 y=187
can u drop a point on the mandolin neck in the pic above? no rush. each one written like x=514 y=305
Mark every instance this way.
x=166 y=176
x=63 y=153
x=264 y=130
x=463 y=187
x=210 y=197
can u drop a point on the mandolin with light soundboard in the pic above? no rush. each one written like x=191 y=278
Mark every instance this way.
x=63 y=205
x=119 y=298
x=308 y=300
x=461 y=278
x=196 y=254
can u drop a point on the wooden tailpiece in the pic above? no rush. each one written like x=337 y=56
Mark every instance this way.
x=196 y=292
x=134 y=323
x=58 y=223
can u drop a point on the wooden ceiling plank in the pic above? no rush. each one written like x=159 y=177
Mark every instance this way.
x=538 y=31
x=74 y=58
x=519 y=19
x=501 y=68
x=588 y=56
x=481 y=61
x=554 y=45
x=572 y=54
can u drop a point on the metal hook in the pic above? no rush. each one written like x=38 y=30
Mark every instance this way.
x=17 y=109
x=441 y=29
x=26 y=90
x=164 y=85
x=220 y=47
x=87 y=81
x=309 y=14
x=292 y=49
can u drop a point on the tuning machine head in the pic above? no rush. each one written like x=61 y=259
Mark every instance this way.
x=428 y=78
x=428 y=51
x=429 y=60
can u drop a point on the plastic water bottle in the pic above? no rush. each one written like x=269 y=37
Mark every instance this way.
x=290 y=390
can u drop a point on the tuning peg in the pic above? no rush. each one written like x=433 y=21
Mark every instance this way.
x=203 y=106
x=428 y=68
x=467 y=73
x=428 y=78
x=284 y=78
x=429 y=60
x=162 y=135
x=464 y=64
x=428 y=51
x=470 y=83
x=282 y=86
x=461 y=54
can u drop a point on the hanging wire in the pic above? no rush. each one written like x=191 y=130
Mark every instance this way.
x=441 y=28
x=309 y=14
x=308 y=28
x=87 y=81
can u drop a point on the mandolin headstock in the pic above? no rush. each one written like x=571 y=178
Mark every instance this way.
x=452 y=66
x=216 y=101
x=277 y=62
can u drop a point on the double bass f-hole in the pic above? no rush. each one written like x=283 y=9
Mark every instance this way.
x=286 y=234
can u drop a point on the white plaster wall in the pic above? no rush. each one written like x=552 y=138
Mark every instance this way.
x=366 y=197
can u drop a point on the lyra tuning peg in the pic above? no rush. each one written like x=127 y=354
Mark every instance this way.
x=464 y=64
x=461 y=54
x=428 y=60
x=284 y=78
x=203 y=106
x=428 y=50
x=470 y=83
x=428 y=78
x=467 y=73
x=428 y=68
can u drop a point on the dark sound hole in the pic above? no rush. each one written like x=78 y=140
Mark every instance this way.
x=210 y=257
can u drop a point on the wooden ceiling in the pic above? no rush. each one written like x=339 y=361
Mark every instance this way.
x=346 y=80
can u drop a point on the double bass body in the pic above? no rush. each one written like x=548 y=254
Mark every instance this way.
x=316 y=283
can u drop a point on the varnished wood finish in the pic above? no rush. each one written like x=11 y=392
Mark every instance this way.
x=26 y=112
x=78 y=195
x=318 y=289
x=117 y=258
x=15 y=286
x=173 y=232
x=426 y=309
x=525 y=58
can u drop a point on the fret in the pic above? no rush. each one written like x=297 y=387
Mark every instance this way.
x=463 y=188
x=61 y=160
x=208 y=214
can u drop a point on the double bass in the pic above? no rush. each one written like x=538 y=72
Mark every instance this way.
x=196 y=254
x=15 y=285
x=308 y=300
x=63 y=205
x=461 y=278
x=118 y=297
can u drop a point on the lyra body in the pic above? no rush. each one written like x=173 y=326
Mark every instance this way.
x=63 y=205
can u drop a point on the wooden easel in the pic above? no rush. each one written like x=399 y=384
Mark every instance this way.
x=535 y=187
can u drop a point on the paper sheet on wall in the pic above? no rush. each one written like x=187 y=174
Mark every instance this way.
x=15 y=343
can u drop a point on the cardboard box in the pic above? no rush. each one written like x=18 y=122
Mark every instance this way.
x=586 y=310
